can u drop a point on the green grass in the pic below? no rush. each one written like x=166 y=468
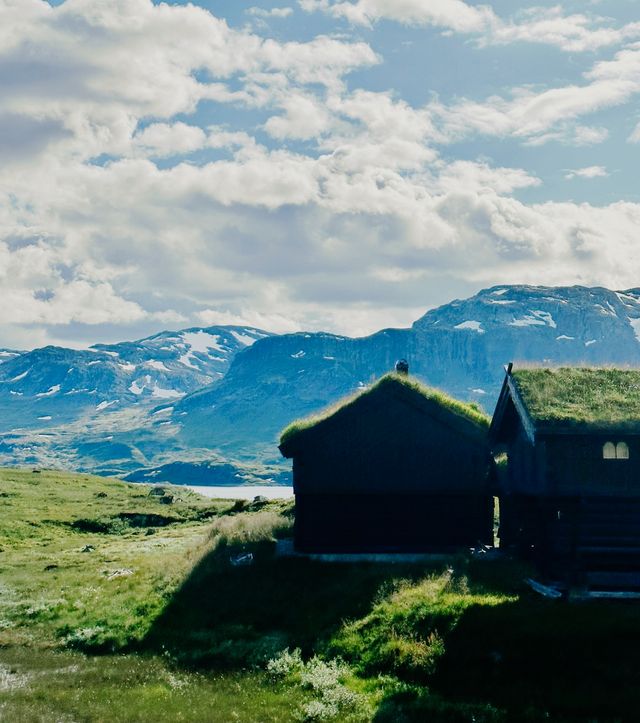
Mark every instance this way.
x=597 y=398
x=468 y=411
x=62 y=686
x=189 y=636
x=73 y=567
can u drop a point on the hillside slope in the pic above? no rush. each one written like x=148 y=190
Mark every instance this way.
x=92 y=567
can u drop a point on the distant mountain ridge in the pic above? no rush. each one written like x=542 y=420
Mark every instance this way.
x=7 y=354
x=224 y=393
x=54 y=385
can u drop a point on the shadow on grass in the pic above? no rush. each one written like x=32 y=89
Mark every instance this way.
x=527 y=660
x=225 y=616
x=538 y=657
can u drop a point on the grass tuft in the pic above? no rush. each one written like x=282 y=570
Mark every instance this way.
x=250 y=527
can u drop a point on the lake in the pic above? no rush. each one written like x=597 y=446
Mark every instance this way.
x=247 y=492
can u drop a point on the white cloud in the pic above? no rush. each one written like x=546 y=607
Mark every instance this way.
x=544 y=25
x=550 y=26
x=359 y=227
x=537 y=117
x=277 y=323
x=465 y=176
x=304 y=117
x=165 y=139
x=71 y=68
x=588 y=172
x=272 y=13
x=635 y=135
x=453 y=14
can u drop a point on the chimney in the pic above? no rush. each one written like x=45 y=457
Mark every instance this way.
x=402 y=367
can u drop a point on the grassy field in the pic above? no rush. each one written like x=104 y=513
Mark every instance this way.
x=116 y=605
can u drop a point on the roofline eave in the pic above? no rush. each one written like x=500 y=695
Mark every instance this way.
x=527 y=422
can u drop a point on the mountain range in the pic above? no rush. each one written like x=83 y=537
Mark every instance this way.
x=210 y=402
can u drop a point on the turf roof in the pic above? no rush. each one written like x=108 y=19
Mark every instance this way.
x=580 y=397
x=466 y=411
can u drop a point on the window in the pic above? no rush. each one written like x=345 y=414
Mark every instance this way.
x=615 y=451
x=622 y=450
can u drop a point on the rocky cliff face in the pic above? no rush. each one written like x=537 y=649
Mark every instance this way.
x=463 y=346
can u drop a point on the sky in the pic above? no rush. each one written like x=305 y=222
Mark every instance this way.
x=337 y=165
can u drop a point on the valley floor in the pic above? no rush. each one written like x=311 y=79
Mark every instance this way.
x=119 y=605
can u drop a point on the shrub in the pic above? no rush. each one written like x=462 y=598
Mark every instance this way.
x=326 y=682
x=249 y=527
x=285 y=663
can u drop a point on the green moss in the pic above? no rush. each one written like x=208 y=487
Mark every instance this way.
x=581 y=396
x=468 y=411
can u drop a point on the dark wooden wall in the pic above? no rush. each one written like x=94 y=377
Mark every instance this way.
x=385 y=445
x=578 y=540
x=575 y=466
x=392 y=523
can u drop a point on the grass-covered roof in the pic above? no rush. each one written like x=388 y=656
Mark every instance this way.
x=468 y=412
x=586 y=398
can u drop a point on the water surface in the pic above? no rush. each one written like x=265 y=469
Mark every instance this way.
x=243 y=492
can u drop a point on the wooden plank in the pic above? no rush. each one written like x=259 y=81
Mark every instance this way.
x=613 y=579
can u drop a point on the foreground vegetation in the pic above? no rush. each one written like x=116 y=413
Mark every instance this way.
x=119 y=605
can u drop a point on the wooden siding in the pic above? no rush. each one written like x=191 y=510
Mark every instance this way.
x=392 y=523
x=575 y=466
x=385 y=445
x=581 y=541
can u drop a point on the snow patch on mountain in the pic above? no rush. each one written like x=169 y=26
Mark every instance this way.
x=201 y=341
x=535 y=318
x=135 y=389
x=106 y=405
x=635 y=325
x=247 y=340
x=161 y=393
x=50 y=392
x=160 y=366
x=471 y=325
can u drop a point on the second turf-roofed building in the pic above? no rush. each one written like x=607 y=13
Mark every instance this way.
x=396 y=468
x=570 y=492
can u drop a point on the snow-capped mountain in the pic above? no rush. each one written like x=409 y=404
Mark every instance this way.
x=7 y=354
x=224 y=393
x=53 y=385
x=460 y=347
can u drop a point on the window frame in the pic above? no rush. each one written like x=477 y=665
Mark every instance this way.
x=616 y=450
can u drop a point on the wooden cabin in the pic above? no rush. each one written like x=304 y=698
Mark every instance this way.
x=396 y=468
x=570 y=493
